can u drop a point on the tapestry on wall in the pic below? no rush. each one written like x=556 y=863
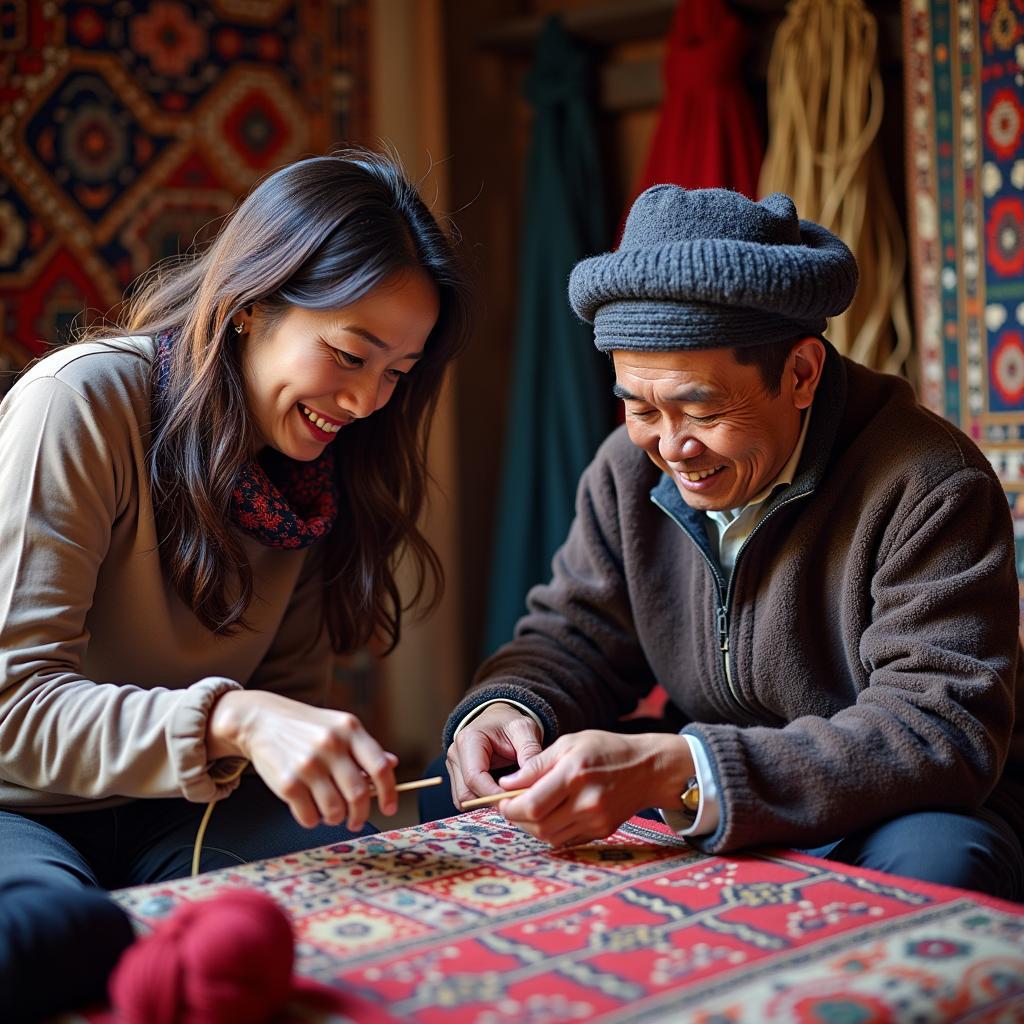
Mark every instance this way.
x=129 y=128
x=964 y=67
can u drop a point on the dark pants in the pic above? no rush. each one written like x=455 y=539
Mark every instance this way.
x=61 y=935
x=976 y=851
x=972 y=851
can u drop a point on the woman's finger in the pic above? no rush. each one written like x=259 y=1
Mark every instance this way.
x=377 y=764
x=354 y=786
x=331 y=805
x=297 y=796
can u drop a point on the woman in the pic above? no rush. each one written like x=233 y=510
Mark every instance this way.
x=195 y=513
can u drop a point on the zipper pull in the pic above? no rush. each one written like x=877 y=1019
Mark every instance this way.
x=723 y=629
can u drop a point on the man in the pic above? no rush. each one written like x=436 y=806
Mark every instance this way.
x=818 y=572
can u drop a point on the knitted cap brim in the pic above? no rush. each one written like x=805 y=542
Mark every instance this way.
x=702 y=293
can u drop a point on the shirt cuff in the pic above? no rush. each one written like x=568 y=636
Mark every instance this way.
x=706 y=820
x=200 y=779
x=497 y=700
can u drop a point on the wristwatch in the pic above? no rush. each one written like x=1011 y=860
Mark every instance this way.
x=691 y=795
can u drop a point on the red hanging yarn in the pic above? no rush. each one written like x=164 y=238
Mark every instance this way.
x=227 y=960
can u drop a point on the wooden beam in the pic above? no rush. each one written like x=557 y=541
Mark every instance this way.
x=631 y=20
x=606 y=25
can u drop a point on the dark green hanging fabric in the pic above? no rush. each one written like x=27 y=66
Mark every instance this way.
x=560 y=406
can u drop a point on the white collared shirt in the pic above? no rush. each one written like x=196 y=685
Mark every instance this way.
x=728 y=529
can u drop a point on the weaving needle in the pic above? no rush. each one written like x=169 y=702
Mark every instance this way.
x=404 y=787
x=483 y=801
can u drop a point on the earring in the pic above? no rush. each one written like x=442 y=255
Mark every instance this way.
x=239 y=328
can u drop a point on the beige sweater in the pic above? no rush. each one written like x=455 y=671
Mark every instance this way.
x=106 y=677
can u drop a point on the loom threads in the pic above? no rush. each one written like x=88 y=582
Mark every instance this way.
x=226 y=960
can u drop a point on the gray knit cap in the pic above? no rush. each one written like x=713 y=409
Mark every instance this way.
x=709 y=268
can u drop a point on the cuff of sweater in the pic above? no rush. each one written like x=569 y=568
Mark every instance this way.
x=200 y=779
x=486 y=704
x=727 y=765
x=503 y=691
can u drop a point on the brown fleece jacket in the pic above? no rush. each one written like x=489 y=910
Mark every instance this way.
x=871 y=623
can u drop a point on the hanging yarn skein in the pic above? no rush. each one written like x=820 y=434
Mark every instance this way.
x=825 y=103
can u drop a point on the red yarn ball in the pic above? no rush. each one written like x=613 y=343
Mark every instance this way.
x=226 y=960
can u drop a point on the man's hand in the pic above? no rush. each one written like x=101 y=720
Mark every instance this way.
x=588 y=783
x=318 y=761
x=499 y=736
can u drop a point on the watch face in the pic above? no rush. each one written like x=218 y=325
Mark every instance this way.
x=691 y=797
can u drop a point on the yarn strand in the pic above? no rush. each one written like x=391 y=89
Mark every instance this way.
x=197 y=849
x=402 y=787
x=825 y=107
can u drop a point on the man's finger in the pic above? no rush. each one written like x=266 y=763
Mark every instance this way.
x=473 y=751
x=540 y=764
x=548 y=786
x=525 y=738
x=482 y=784
x=569 y=836
x=556 y=817
x=460 y=791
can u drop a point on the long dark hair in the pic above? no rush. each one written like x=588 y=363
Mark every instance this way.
x=319 y=234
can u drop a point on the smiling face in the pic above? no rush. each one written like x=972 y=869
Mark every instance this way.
x=309 y=372
x=710 y=423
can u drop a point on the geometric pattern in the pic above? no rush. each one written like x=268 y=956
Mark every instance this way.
x=128 y=128
x=471 y=919
x=964 y=83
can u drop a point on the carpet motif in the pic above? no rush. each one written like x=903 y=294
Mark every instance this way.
x=129 y=128
x=470 y=919
x=964 y=69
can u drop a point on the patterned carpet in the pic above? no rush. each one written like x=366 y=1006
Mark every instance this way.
x=470 y=919
x=129 y=127
x=964 y=70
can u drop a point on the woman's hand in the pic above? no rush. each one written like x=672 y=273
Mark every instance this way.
x=320 y=762
x=499 y=736
x=588 y=783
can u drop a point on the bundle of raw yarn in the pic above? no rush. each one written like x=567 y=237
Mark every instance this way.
x=226 y=960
